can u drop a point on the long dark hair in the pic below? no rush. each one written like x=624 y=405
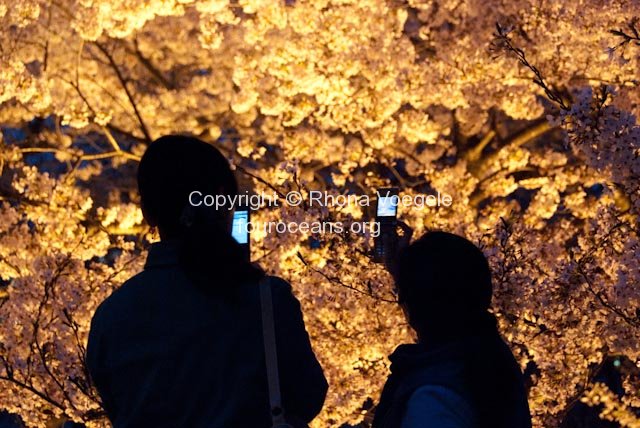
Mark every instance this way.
x=172 y=167
x=445 y=282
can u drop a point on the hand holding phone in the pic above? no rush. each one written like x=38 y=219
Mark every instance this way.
x=386 y=215
x=401 y=242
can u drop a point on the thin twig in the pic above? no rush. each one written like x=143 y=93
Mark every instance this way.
x=503 y=43
x=123 y=82
x=337 y=281
x=627 y=38
x=149 y=66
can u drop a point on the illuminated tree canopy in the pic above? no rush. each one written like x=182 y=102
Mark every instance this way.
x=523 y=111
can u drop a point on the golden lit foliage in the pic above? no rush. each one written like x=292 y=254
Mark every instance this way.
x=341 y=96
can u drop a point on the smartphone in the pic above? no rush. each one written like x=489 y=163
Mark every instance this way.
x=240 y=229
x=387 y=202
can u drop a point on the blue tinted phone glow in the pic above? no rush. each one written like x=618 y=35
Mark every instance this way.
x=240 y=227
x=387 y=206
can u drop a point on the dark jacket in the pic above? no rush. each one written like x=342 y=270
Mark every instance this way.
x=479 y=368
x=164 y=354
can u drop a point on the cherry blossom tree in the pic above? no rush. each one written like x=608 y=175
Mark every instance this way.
x=523 y=112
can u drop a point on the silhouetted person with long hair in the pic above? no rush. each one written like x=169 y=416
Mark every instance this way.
x=180 y=345
x=460 y=373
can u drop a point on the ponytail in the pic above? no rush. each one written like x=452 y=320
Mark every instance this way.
x=210 y=255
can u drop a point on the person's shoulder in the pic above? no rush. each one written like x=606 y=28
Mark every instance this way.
x=282 y=291
x=278 y=284
x=120 y=298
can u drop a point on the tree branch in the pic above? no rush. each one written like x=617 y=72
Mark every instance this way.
x=337 y=281
x=123 y=82
x=633 y=36
x=503 y=43
x=149 y=66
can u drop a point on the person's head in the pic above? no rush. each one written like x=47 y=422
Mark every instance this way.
x=444 y=285
x=171 y=168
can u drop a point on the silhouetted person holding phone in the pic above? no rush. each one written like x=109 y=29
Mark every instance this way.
x=180 y=345
x=460 y=373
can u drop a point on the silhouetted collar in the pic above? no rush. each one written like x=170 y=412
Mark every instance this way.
x=163 y=253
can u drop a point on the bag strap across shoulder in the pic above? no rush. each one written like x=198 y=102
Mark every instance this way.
x=271 y=354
